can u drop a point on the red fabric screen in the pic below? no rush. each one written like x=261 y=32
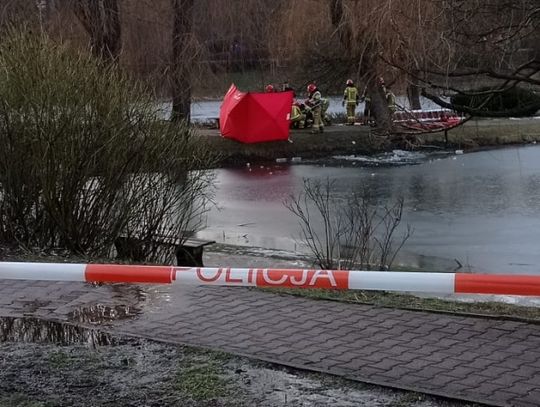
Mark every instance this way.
x=255 y=117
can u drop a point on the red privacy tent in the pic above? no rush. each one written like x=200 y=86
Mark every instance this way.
x=255 y=117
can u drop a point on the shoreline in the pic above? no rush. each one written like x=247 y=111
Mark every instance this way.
x=338 y=139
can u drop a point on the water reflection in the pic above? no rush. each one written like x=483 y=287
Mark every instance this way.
x=35 y=330
x=100 y=314
x=259 y=183
x=480 y=208
x=123 y=301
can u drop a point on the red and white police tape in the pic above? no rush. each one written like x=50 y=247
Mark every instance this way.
x=291 y=278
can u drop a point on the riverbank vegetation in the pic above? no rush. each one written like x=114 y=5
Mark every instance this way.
x=357 y=231
x=84 y=157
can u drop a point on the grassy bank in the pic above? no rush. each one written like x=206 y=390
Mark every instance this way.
x=411 y=302
x=334 y=141
x=359 y=140
x=490 y=133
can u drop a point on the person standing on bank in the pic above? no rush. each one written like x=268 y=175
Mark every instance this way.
x=350 y=100
x=314 y=103
x=366 y=98
x=391 y=100
x=285 y=87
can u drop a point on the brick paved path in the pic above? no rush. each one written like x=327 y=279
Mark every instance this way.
x=491 y=361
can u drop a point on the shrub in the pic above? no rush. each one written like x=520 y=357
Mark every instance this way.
x=347 y=233
x=84 y=156
x=488 y=102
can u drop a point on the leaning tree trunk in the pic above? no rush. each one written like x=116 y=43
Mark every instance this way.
x=181 y=59
x=379 y=107
x=101 y=20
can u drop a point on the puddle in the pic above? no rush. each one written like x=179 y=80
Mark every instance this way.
x=270 y=386
x=118 y=302
x=279 y=387
x=101 y=314
x=40 y=331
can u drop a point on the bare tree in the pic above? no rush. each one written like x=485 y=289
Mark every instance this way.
x=347 y=233
x=101 y=20
x=433 y=47
x=161 y=41
x=182 y=58
x=467 y=45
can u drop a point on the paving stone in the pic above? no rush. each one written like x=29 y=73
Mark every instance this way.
x=526 y=371
x=448 y=364
x=441 y=380
x=430 y=371
x=530 y=399
x=520 y=402
x=480 y=363
x=520 y=388
x=417 y=364
x=505 y=396
x=386 y=364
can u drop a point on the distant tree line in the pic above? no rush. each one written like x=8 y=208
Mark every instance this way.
x=432 y=48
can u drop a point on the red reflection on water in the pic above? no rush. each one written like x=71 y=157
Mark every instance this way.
x=262 y=171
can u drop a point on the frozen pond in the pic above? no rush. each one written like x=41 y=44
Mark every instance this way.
x=482 y=209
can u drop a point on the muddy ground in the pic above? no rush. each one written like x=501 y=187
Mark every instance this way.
x=46 y=364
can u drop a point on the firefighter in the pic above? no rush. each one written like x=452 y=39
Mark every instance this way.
x=350 y=99
x=298 y=118
x=314 y=103
x=390 y=100
x=325 y=104
x=269 y=89
x=366 y=98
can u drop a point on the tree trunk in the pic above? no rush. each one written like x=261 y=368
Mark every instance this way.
x=413 y=94
x=101 y=20
x=343 y=29
x=379 y=106
x=181 y=59
x=112 y=39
